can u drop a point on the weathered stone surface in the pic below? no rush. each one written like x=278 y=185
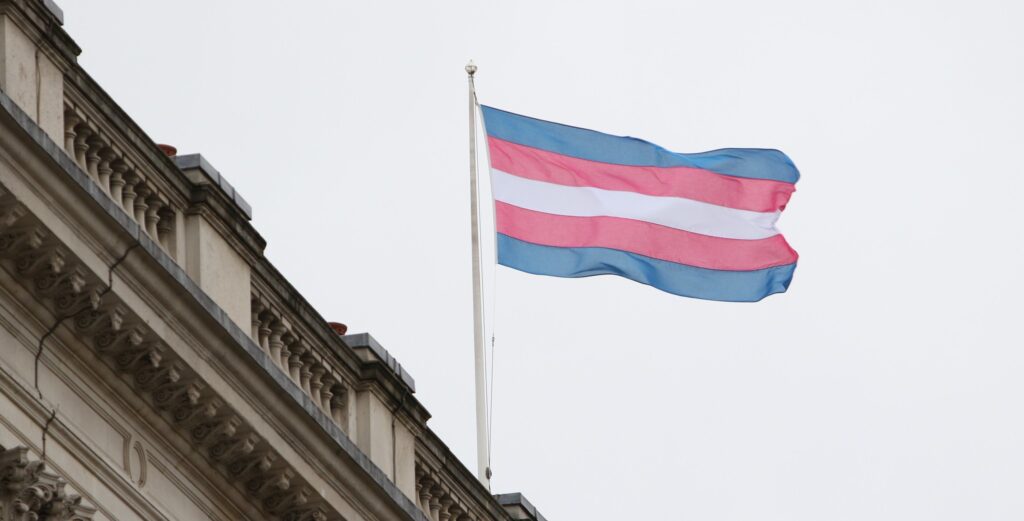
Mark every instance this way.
x=160 y=363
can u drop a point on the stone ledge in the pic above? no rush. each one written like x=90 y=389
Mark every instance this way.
x=77 y=177
x=55 y=9
x=365 y=341
x=198 y=162
x=519 y=507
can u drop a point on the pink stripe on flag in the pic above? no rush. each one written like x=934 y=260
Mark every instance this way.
x=759 y=195
x=651 y=240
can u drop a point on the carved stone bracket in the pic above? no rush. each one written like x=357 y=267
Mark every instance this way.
x=44 y=266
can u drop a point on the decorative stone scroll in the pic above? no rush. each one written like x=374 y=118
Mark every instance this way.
x=28 y=492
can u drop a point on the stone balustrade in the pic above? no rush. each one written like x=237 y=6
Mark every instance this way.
x=444 y=496
x=346 y=389
x=374 y=408
x=446 y=490
x=436 y=498
x=127 y=183
x=199 y=220
x=309 y=368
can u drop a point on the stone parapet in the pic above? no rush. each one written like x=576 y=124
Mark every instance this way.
x=342 y=401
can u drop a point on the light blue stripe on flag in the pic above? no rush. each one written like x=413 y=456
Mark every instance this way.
x=751 y=163
x=679 y=279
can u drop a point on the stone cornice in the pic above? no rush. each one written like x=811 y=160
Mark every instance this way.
x=376 y=372
x=228 y=216
x=132 y=349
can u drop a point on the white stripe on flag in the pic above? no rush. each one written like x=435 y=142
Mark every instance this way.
x=674 y=212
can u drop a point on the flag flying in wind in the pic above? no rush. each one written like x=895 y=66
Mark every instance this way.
x=572 y=202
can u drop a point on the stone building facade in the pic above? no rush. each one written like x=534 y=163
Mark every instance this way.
x=153 y=364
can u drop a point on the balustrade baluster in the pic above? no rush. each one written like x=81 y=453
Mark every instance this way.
x=315 y=384
x=70 y=121
x=298 y=349
x=153 y=217
x=426 y=487
x=325 y=392
x=277 y=329
x=435 y=502
x=456 y=512
x=282 y=360
x=446 y=503
x=265 y=320
x=165 y=229
x=142 y=192
x=338 y=406
x=305 y=371
x=104 y=169
x=131 y=180
x=92 y=156
x=257 y=307
x=82 y=134
x=120 y=168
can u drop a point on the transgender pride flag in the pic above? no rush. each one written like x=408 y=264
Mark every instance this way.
x=571 y=202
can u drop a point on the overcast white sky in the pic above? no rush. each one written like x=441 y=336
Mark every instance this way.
x=885 y=385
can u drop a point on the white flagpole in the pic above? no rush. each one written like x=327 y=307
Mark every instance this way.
x=483 y=468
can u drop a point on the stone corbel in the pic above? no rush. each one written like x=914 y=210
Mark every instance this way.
x=99 y=319
x=132 y=360
x=256 y=464
x=114 y=342
x=10 y=215
x=291 y=499
x=17 y=240
x=44 y=259
x=149 y=379
x=269 y=483
x=173 y=393
x=189 y=415
x=48 y=283
x=230 y=449
x=210 y=432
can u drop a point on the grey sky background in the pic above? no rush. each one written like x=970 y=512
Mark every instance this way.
x=885 y=385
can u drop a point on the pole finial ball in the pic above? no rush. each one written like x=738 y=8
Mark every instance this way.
x=471 y=68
